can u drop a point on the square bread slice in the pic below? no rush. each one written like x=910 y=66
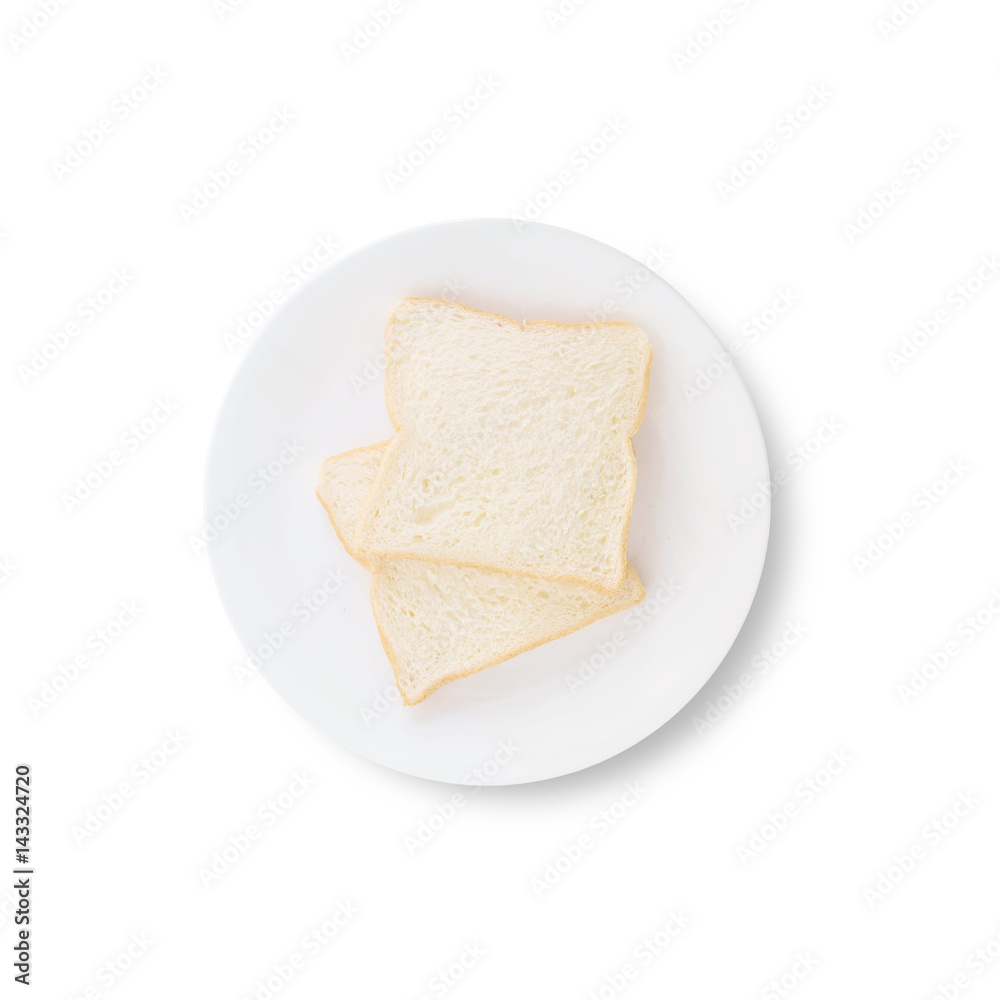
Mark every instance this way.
x=439 y=622
x=514 y=450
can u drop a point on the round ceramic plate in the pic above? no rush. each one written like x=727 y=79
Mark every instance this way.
x=312 y=385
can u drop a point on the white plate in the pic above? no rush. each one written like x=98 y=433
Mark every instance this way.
x=311 y=386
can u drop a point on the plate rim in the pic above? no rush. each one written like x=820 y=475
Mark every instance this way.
x=258 y=343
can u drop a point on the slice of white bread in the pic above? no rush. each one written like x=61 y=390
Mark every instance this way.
x=514 y=450
x=440 y=622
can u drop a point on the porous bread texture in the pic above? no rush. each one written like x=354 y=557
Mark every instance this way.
x=342 y=485
x=439 y=622
x=514 y=451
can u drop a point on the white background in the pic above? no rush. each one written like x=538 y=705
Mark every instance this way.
x=684 y=845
